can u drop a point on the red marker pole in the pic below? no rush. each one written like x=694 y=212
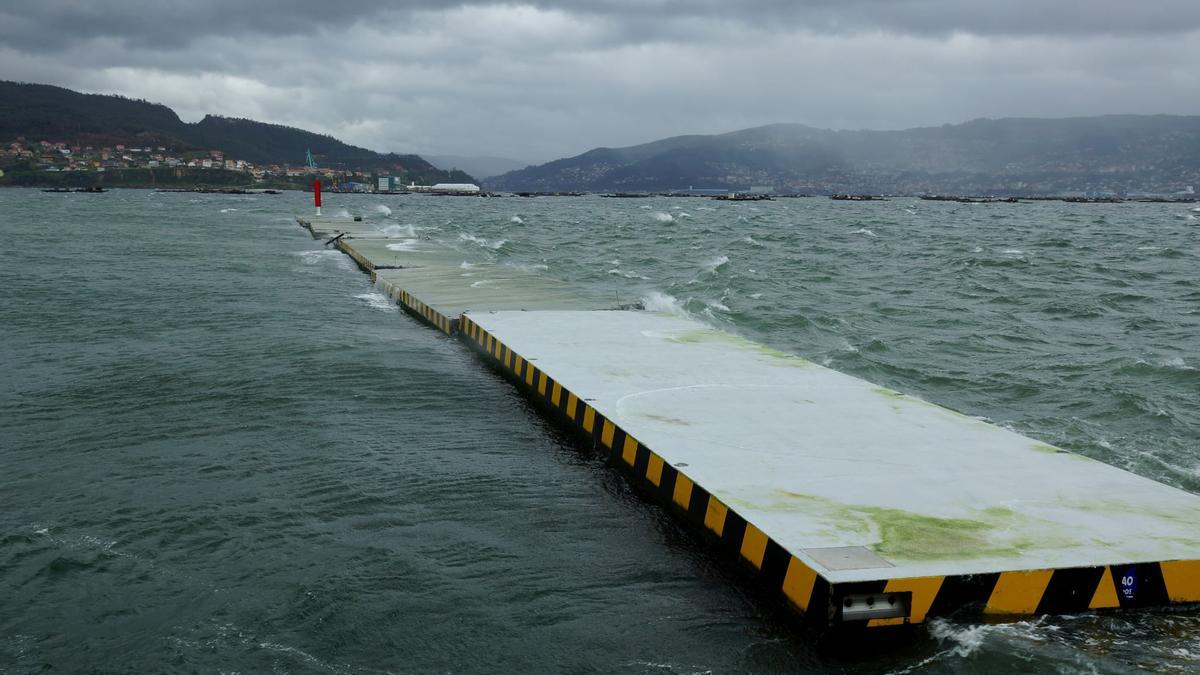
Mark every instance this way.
x=317 y=194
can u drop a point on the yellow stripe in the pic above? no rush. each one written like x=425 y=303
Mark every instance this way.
x=683 y=491
x=1106 y=593
x=629 y=452
x=606 y=434
x=517 y=364
x=589 y=418
x=798 y=583
x=497 y=347
x=507 y=358
x=542 y=384
x=754 y=545
x=714 y=516
x=571 y=401
x=654 y=469
x=923 y=589
x=556 y=393
x=1018 y=592
x=1183 y=580
x=529 y=375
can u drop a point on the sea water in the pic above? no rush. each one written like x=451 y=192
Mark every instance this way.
x=222 y=450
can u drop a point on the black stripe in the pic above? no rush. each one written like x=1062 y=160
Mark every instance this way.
x=820 y=611
x=641 y=460
x=597 y=427
x=699 y=505
x=774 y=564
x=666 y=484
x=1070 y=590
x=1148 y=590
x=968 y=590
x=618 y=446
x=733 y=532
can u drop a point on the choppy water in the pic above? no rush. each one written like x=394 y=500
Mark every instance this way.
x=222 y=451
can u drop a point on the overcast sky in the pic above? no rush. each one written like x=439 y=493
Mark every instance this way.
x=540 y=80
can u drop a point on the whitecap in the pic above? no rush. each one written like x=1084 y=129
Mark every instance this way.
x=684 y=214
x=756 y=296
x=977 y=249
x=655 y=301
x=315 y=257
x=714 y=264
x=517 y=220
x=382 y=210
x=627 y=274
x=1177 y=363
x=377 y=301
x=468 y=266
x=480 y=241
x=228 y=210
x=863 y=230
x=1013 y=251
x=406 y=230
x=483 y=282
x=530 y=268
x=718 y=306
x=751 y=240
x=341 y=213
x=408 y=245
x=663 y=217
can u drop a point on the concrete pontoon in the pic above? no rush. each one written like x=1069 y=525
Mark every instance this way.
x=861 y=506
x=858 y=503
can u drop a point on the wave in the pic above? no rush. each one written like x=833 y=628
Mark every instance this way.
x=399 y=231
x=517 y=220
x=663 y=217
x=716 y=263
x=655 y=301
x=863 y=230
x=377 y=301
x=382 y=210
x=480 y=241
x=628 y=274
x=409 y=245
x=530 y=268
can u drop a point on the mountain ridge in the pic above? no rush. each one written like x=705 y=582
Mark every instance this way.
x=1108 y=153
x=47 y=112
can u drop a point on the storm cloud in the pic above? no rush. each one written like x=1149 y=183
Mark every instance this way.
x=539 y=80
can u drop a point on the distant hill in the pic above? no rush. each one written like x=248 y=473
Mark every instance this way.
x=1115 y=153
x=44 y=112
x=480 y=167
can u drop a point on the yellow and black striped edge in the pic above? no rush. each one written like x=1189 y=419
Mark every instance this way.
x=417 y=308
x=1052 y=591
x=363 y=263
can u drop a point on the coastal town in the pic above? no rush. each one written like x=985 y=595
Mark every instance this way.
x=58 y=156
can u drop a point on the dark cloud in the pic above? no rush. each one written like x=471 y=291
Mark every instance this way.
x=166 y=24
x=544 y=79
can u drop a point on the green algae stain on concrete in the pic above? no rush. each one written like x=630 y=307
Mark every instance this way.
x=1047 y=449
x=713 y=336
x=907 y=536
